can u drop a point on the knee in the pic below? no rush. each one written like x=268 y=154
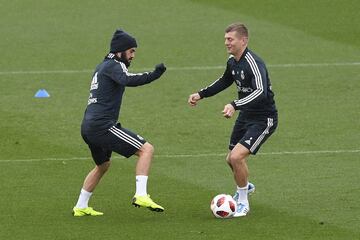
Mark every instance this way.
x=231 y=158
x=103 y=167
x=147 y=149
x=235 y=158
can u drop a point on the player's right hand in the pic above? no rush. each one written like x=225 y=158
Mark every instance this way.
x=193 y=99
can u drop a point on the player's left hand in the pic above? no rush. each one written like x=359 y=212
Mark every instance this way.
x=160 y=68
x=228 y=111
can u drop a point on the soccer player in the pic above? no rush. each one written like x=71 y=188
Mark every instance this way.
x=100 y=129
x=257 y=119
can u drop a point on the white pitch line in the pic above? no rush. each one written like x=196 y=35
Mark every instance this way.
x=315 y=64
x=189 y=155
x=194 y=68
x=46 y=72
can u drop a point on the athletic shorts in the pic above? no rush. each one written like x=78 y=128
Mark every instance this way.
x=116 y=139
x=252 y=131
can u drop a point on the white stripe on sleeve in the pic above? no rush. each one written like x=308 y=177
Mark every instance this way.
x=258 y=82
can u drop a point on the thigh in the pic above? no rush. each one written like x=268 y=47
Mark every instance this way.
x=257 y=132
x=238 y=132
x=124 y=141
x=99 y=153
x=116 y=139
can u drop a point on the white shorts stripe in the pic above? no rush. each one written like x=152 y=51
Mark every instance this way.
x=125 y=137
x=129 y=137
x=270 y=123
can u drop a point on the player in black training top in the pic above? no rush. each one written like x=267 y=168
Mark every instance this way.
x=257 y=119
x=100 y=129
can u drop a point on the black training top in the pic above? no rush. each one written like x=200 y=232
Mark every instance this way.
x=107 y=88
x=252 y=81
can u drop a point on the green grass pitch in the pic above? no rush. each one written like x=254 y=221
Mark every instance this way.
x=307 y=174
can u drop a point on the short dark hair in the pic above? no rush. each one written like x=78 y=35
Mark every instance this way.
x=238 y=27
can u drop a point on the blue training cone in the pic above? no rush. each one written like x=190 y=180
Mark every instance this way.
x=42 y=93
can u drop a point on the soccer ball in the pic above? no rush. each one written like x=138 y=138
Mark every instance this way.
x=223 y=206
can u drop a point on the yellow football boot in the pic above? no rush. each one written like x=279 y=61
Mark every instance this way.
x=146 y=201
x=89 y=211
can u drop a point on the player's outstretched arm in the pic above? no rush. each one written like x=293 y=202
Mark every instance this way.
x=134 y=80
x=193 y=99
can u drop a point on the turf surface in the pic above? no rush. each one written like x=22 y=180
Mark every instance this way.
x=306 y=174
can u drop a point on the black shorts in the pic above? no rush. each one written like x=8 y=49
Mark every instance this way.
x=252 y=131
x=116 y=139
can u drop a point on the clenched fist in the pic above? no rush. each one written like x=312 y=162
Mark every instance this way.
x=193 y=99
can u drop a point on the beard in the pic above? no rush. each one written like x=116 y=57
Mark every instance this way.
x=124 y=60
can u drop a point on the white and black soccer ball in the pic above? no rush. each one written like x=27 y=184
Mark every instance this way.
x=223 y=206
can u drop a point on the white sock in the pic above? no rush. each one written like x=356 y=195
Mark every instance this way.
x=141 y=185
x=243 y=194
x=83 y=199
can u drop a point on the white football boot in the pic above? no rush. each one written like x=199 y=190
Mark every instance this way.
x=242 y=209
